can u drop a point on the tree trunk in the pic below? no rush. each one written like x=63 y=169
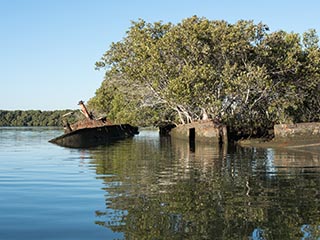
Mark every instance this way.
x=204 y=114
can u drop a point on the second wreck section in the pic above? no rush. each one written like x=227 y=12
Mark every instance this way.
x=201 y=131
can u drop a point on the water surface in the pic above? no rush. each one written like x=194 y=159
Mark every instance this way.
x=154 y=188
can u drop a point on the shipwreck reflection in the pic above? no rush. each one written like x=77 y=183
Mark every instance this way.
x=156 y=188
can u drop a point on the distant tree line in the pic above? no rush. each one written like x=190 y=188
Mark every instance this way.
x=240 y=74
x=33 y=118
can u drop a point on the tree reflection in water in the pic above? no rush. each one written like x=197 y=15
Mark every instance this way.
x=156 y=188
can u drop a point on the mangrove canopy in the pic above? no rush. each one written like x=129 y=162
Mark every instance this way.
x=240 y=74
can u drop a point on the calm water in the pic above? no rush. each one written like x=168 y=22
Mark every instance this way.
x=152 y=188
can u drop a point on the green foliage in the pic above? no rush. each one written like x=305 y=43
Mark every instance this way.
x=238 y=73
x=32 y=118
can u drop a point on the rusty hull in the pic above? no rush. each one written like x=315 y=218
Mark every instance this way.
x=94 y=136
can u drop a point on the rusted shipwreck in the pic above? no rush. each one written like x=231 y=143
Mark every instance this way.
x=205 y=131
x=93 y=132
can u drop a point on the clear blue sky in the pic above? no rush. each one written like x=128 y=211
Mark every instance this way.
x=48 y=47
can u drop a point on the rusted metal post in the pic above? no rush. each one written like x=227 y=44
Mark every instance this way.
x=67 y=127
x=84 y=110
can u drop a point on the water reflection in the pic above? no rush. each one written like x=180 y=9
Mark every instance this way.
x=300 y=159
x=156 y=188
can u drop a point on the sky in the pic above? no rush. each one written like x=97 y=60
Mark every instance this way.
x=48 y=48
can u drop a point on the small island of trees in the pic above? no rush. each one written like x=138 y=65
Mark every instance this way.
x=239 y=74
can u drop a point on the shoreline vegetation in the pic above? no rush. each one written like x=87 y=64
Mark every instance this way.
x=33 y=118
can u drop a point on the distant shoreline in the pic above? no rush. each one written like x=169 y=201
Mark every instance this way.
x=33 y=118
